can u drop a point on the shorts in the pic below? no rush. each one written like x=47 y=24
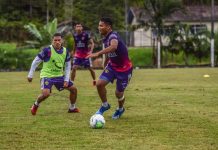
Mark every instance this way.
x=58 y=82
x=83 y=62
x=122 y=78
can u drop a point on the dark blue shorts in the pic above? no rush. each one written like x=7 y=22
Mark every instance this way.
x=58 y=82
x=122 y=78
x=83 y=62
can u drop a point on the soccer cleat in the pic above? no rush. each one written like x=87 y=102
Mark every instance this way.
x=34 y=109
x=118 y=113
x=75 y=110
x=94 y=83
x=102 y=109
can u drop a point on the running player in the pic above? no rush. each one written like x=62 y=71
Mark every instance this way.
x=118 y=67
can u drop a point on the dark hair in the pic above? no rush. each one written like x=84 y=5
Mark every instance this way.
x=78 y=23
x=107 y=20
x=57 y=34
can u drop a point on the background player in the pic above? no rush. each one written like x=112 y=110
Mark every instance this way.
x=81 y=50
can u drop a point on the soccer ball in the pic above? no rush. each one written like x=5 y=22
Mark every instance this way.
x=97 y=121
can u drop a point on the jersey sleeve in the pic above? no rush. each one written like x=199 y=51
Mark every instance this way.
x=112 y=36
x=43 y=54
x=67 y=56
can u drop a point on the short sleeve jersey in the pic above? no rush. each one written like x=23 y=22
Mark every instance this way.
x=81 y=44
x=119 y=59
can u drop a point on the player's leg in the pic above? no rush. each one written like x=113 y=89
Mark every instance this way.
x=106 y=77
x=122 y=82
x=121 y=99
x=102 y=92
x=88 y=64
x=120 y=109
x=76 y=64
x=73 y=98
x=93 y=75
x=46 y=85
x=73 y=73
x=59 y=84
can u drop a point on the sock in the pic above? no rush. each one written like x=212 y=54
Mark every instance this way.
x=72 y=106
x=36 y=103
x=120 y=109
x=105 y=104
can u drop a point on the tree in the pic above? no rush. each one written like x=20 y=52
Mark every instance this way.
x=43 y=35
x=158 y=10
x=89 y=12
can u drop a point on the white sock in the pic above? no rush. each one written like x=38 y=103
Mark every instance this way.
x=72 y=106
x=36 y=103
x=105 y=104
x=120 y=109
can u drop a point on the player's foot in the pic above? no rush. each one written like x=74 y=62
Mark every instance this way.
x=34 y=109
x=75 y=110
x=118 y=113
x=94 y=83
x=102 y=109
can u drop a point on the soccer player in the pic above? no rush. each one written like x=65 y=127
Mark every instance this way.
x=55 y=71
x=81 y=50
x=118 y=67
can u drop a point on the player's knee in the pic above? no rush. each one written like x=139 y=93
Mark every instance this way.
x=46 y=94
x=73 y=89
x=100 y=84
x=75 y=67
x=119 y=94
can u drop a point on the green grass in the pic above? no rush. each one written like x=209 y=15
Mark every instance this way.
x=166 y=109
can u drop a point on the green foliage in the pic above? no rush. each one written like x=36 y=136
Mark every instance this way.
x=13 y=59
x=89 y=12
x=181 y=39
x=43 y=35
x=140 y=56
x=12 y=31
x=69 y=42
x=159 y=9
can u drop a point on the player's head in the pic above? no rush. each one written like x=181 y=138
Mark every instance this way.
x=78 y=27
x=105 y=25
x=57 y=40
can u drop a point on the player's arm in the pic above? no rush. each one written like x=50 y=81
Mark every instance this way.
x=105 y=61
x=92 y=45
x=109 y=49
x=67 y=70
x=34 y=65
x=72 y=52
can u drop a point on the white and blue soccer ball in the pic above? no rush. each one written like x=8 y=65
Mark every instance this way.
x=97 y=121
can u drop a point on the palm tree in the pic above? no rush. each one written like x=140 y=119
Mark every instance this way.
x=42 y=36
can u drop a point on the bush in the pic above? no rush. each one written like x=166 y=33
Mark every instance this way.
x=13 y=59
x=141 y=56
x=13 y=31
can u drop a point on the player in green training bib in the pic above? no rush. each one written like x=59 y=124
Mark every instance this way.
x=55 y=71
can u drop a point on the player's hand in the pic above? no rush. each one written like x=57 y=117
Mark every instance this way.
x=65 y=84
x=92 y=55
x=29 y=79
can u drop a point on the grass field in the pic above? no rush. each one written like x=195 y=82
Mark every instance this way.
x=166 y=109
